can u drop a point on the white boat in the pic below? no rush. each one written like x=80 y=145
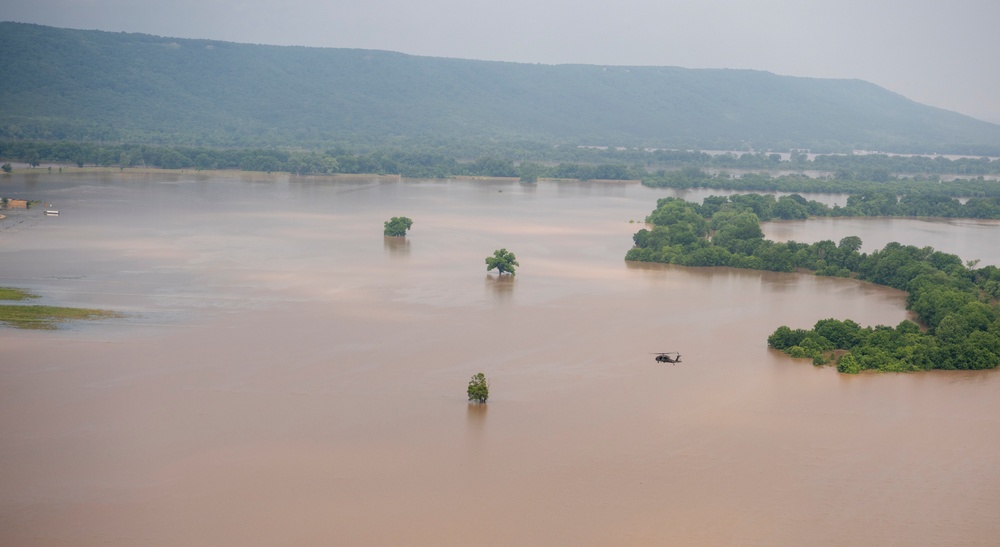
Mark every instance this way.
x=51 y=213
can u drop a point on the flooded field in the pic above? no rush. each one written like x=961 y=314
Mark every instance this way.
x=287 y=375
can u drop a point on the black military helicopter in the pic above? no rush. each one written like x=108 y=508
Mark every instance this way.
x=665 y=357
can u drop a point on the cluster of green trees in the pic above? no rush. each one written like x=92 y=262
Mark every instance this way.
x=503 y=261
x=725 y=231
x=957 y=303
x=869 y=204
x=479 y=388
x=969 y=340
x=397 y=226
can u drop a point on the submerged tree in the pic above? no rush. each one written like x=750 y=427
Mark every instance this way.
x=503 y=260
x=397 y=226
x=479 y=388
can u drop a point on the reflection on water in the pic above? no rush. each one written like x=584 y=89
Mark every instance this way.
x=500 y=287
x=476 y=416
x=476 y=425
x=396 y=246
x=284 y=378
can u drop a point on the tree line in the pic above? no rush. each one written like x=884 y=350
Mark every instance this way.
x=532 y=161
x=842 y=181
x=391 y=161
x=956 y=303
x=868 y=204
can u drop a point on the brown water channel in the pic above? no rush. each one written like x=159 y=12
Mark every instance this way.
x=287 y=376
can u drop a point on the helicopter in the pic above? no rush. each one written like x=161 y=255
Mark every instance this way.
x=665 y=357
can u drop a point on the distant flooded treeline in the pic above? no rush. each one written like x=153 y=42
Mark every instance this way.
x=842 y=181
x=528 y=161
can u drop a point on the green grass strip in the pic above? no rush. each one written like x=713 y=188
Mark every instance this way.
x=11 y=293
x=47 y=317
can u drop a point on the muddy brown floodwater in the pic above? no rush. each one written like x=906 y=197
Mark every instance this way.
x=288 y=376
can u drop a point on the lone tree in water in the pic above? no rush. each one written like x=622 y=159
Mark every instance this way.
x=397 y=226
x=503 y=260
x=479 y=388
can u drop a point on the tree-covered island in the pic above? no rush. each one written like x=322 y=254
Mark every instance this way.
x=956 y=303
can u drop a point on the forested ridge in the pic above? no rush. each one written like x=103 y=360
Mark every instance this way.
x=956 y=302
x=62 y=84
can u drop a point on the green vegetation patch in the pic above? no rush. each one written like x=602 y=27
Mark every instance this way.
x=397 y=226
x=956 y=303
x=42 y=317
x=479 y=388
x=47 y=317
x=11 y=293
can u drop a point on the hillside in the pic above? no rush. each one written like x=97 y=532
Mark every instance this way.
x=93 y=85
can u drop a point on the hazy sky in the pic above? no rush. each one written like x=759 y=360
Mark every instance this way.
x=941 y=53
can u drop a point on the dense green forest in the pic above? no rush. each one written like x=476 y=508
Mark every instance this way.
x=956 y=302
x=93 y=86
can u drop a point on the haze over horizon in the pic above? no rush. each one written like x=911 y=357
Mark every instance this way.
x=931 y=52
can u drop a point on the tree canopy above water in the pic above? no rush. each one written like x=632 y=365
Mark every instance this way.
x=503 y=261
x=479 y=388
x=397 y=226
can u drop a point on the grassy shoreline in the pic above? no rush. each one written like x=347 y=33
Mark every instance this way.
x=25 y=316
